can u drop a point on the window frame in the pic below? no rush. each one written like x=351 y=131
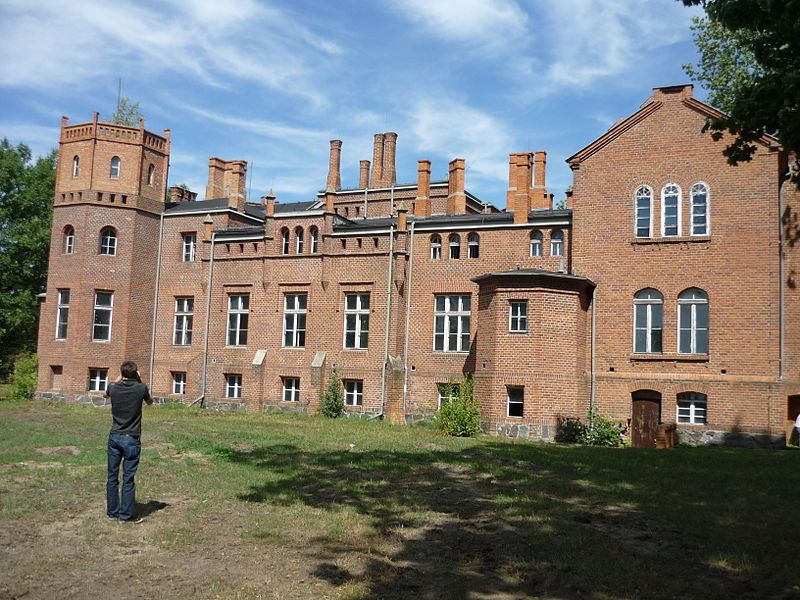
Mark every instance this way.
x=473 y=245
x=62 y=313
x=103 y=308
x=313 y=240
x=115 y=168
x=520 y=402
x=454 y=246
x=189 y=243
x=100 y=378
x=356 y=393
x=448 y=314
x=520 y=319
x=295 y=320
x=233 y=386
x=285 y=243
x=299 y=240
x=151 y=174
x=443 y=399
x=361 y=314
x=184 y=315
x=636 y=197
x=537 y=239
x=707 y=213
x=664 y=210
x=238 y=312
x=647 y=305
x=692 y=304
x=436 y=247
x=697 y=415
x=108 y=235
x=292 y=391
x=69 y=240
x=557 y=242
x=178 y=383
x=76 y=166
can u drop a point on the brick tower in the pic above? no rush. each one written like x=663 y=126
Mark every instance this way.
x=97 y=312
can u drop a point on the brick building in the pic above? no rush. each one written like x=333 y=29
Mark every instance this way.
x=664 y=293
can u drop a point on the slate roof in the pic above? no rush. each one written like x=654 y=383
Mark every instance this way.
x=533 y=273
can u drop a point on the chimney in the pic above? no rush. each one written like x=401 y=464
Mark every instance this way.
x=179 y=194
x=518 y=198
x=389 y=150
x=334 y=164
x=330 y=197
x=376 y=179
x=216 y=176
x=456 y=198
x=208 y=224
x=363 y=174
x=402 y=217
x=227 y=179
x=269 y=203
x=539 y=196
x=422 y=203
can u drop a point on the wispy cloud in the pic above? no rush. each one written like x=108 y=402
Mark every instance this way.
x=39 y=138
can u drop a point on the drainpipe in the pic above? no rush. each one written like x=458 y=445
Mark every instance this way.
x=782 y=269
x=208 y=318
x=408 y=315
x=594 y=371
x=155 y=301
x=388 y=320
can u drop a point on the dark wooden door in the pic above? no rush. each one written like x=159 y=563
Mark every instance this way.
x=645 y=416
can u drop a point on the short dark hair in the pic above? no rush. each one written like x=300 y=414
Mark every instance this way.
x=129 y=370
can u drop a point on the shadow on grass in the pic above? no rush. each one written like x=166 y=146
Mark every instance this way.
x=498 y=521
x=148 y=508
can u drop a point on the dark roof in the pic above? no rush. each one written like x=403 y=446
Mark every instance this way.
x=533 y=273
x=236 y=231
x=396 y=185
x=213 y=204
x=293 y=206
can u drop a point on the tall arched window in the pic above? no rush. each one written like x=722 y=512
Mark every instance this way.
x=76 y=166
x=648 y=321
x=692 y=408
x=644 y=212
x=298 y=236
x=557 y=243
x=455 y=246
x=116 y=164
x=671 y=210
x=700 y=214
x=69 y=239
x=284 y=241
x=693 y=322
x=313 y=236
x=536 y=243
x=436 y=247
x=474 y=245
x=108 y=241
x=151 y=171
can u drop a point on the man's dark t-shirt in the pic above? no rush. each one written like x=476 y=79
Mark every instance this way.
x=126 y=406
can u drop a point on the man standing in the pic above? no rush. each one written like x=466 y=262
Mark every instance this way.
x=124 y=446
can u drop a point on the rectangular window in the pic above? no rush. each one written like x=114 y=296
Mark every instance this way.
x=353 y=392
x=238 y=319
x=62 y=314
x=447 y=392
x=692 y=408
x=98 y=380
x=189 y=246
x=178 y=382
x=451 y=323
x=184 y=318
x=103 y=309
x=643 y=216
x=516 y=401
x=518 y=316
x=291 y=389
x=356 y=321
x=648 y=320
x=294 y=320
x=233 y=385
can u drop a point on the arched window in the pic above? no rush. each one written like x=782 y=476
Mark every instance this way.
x=693 y=322
x=298 y=236
x=436 y=247
x=455 y=246
x=76 y=166
x=671 y=210
x=151 y=171
x=648 y=321
x=116 y=164
x=644 y=212
x=284 y=241
x=700 y=214
x=313 y=235
x=474 y=245
x=69 y=239
x=536 y=243
x=692 y=408
x=108 y=241
x=557 y=243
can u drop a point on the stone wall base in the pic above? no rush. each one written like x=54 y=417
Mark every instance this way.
x=734 y=439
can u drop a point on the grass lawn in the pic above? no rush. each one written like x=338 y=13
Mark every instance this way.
x=284 y=506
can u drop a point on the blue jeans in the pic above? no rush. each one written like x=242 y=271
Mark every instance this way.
x=123 y=449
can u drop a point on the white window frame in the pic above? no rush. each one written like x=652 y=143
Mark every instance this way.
x=647 y=306
x=455 y=320
x=179 y=383
x=69 y=239
x=108 y=241
x=295 y=319
x=695 y=408
x=664 y=209
x=443 y=397
x=184 y=321
x=360 y=314
x=518 y=316
x=692 y=304
x=473 y=243
x=189 y=252
x=238 y=320
x=98 y=380
x=233 y=385
x=298 y=240
x=454 y=246
x=116 y=167
x=151 y=173
x=313 y=237
x=76 y=166
x=62 y=314
x=638 y=195
x=353 y=392
x=515 y=402
x=557 y=243
x=436 y=247
x=707 y=213
x=285 y=234
x=102 y=308
x=537 y=242
x=291 y=389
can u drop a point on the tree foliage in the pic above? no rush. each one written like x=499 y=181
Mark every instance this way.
x=333 y=400
x=750 y=62
x=459 y=416
x=127 y=113
x=26 y=195
x=26 y=371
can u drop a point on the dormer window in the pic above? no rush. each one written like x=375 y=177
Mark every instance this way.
x=116 y=164
x=76 y=165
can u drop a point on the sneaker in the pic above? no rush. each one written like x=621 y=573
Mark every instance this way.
x=134 y=521
x=113 y=518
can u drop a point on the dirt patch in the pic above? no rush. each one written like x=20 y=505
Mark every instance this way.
x=58 y=450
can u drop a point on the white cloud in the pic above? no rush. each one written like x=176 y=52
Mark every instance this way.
x=39 y=138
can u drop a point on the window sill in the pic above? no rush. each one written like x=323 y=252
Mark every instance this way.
x=518 y=332
x=670 y=240
x=666 y=357
x=355 y=349
x=293 y=347
x=238 y=347
x=444 y=353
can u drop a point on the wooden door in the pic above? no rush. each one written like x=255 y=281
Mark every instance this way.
x=645 y=417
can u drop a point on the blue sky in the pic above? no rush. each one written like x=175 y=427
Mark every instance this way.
x=271 y=82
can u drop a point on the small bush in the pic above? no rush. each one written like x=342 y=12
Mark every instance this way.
x=333 y=400
x=26 y=370
x=597 y=431
x=459 y=416
x=570 y=430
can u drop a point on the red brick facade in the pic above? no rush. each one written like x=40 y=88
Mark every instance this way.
x=433 y=316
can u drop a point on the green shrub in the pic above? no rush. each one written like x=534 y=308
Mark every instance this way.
x=570 y=430
x=26 y=370
x=459 y=416
x=602 y=431
x=333 y=400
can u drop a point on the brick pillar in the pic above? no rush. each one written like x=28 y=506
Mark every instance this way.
x=539 y=198
x=423 y=200
x=389 y=149
x=519 y=184
x=456 y=197
x=334 y=165
x=363 y=174
x=376 y=179
x=216 y=178
x=402 y=217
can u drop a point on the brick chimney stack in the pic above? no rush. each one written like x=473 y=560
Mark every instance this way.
x=227 y=179
x=389 y=150
x=422 y=203
x=376 y=179
x=402 y=217
x=363 y=174
x=456 y=197
x=269 y=203
x=518 y=197
x=539 y=198
x=179 y=194
x=334 y=166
